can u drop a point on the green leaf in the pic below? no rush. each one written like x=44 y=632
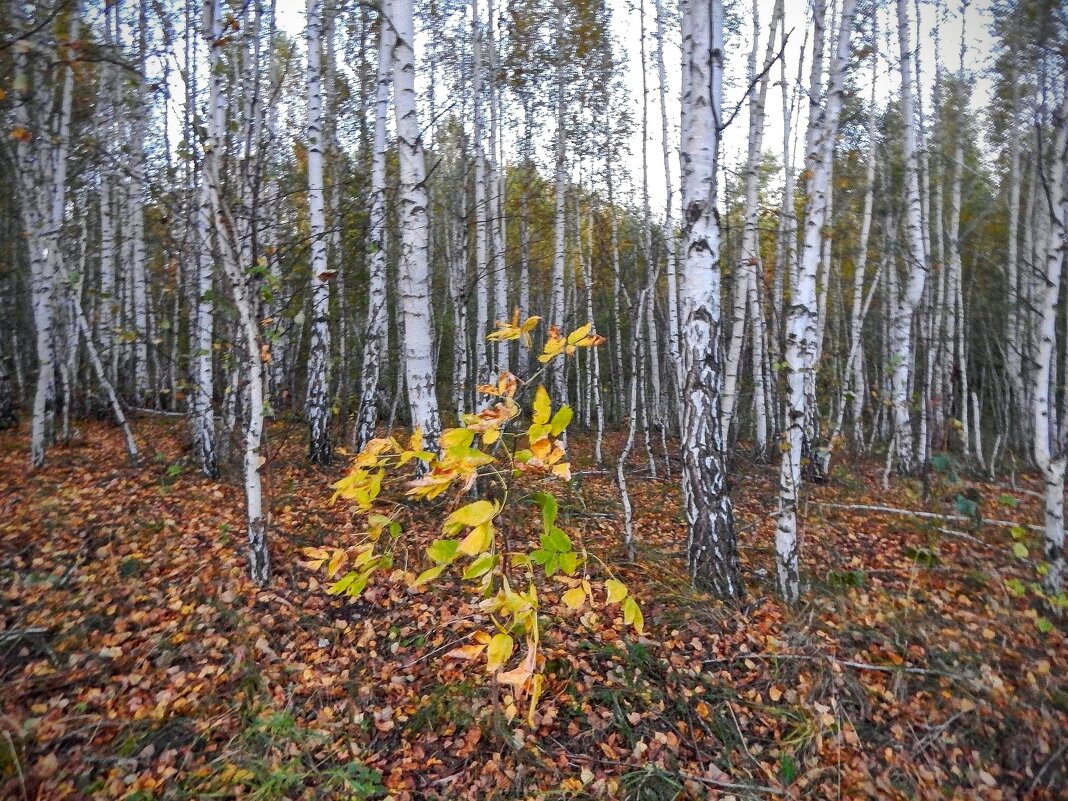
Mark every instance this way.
x=569 y=562
x=1019 y=550
x=922 y=556
x=966 y=507
x=1044 y=625
x=557 y=540
x=560 y=420
x=552 y=566
x=1015 y=587
x=1018 y=532
x=541 y=556
x=787 y=769
x=343 y=583
x=481 y=566
x=443 y=551
x=457 y=438
x=1008 y=500
x=360 y=584
x=548 y=508
x=427 y=576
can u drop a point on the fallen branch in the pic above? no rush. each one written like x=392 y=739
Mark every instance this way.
x=15 y=635
x=890 y=510
x=843 y=662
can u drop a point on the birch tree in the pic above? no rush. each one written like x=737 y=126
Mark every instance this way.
x=1051 y=435
x=240 y=280
x=318 y=402
x=44 y=83
x=802 y=317
x=916 y=260
x=712 y=549
x=415 y=231
x=377 y=314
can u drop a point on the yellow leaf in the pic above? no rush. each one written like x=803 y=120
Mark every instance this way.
x=632 y=615
x=472 y=651
x=471 y=515
x=456 y=438
x=616 y=590
x=498 y=652
x=535 y=694
x=542 y=405
x=490 y=436
x=574 y=598
x=479 y=540
x=335 y=563
x=579 y=334
x=562 y=470
x=415 y=443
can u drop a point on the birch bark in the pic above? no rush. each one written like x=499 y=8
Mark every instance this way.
x=415 y=230
x=712 y=549
x=802 y=318
x=317 y=402
x=377 y=313
x=917 y=268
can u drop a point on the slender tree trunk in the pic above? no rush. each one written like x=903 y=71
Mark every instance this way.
x=556 y=305
x=802 y=320
x=377 y=313
x=912 y=291
x=318 y=401
x=240 y=281
x=1051 y=444
x=676 y=373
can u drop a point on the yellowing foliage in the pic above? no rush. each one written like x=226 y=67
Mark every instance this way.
x=483 y=447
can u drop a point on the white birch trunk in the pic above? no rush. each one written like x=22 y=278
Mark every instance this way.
x=41 y=168
x=240 y=282
x=415 y=230
x=677 y=375
x=1050 y=445
x=556 y=304
x=377 y=313
x=482 y=229
x=748 y=267
x=916 y=261
x=318 y=402
x=802 y=320
x=712 y=549
x=203 y=413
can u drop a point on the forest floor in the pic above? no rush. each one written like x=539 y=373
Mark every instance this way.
x=138 y=661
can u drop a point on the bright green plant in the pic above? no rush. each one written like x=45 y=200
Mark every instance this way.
x=489 y=451
x=1056 y=603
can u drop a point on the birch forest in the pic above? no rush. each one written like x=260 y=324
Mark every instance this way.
x=533 y=399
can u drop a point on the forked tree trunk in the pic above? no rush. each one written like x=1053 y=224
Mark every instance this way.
x=377 y=313
x=912 y=291
x=802 y=320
